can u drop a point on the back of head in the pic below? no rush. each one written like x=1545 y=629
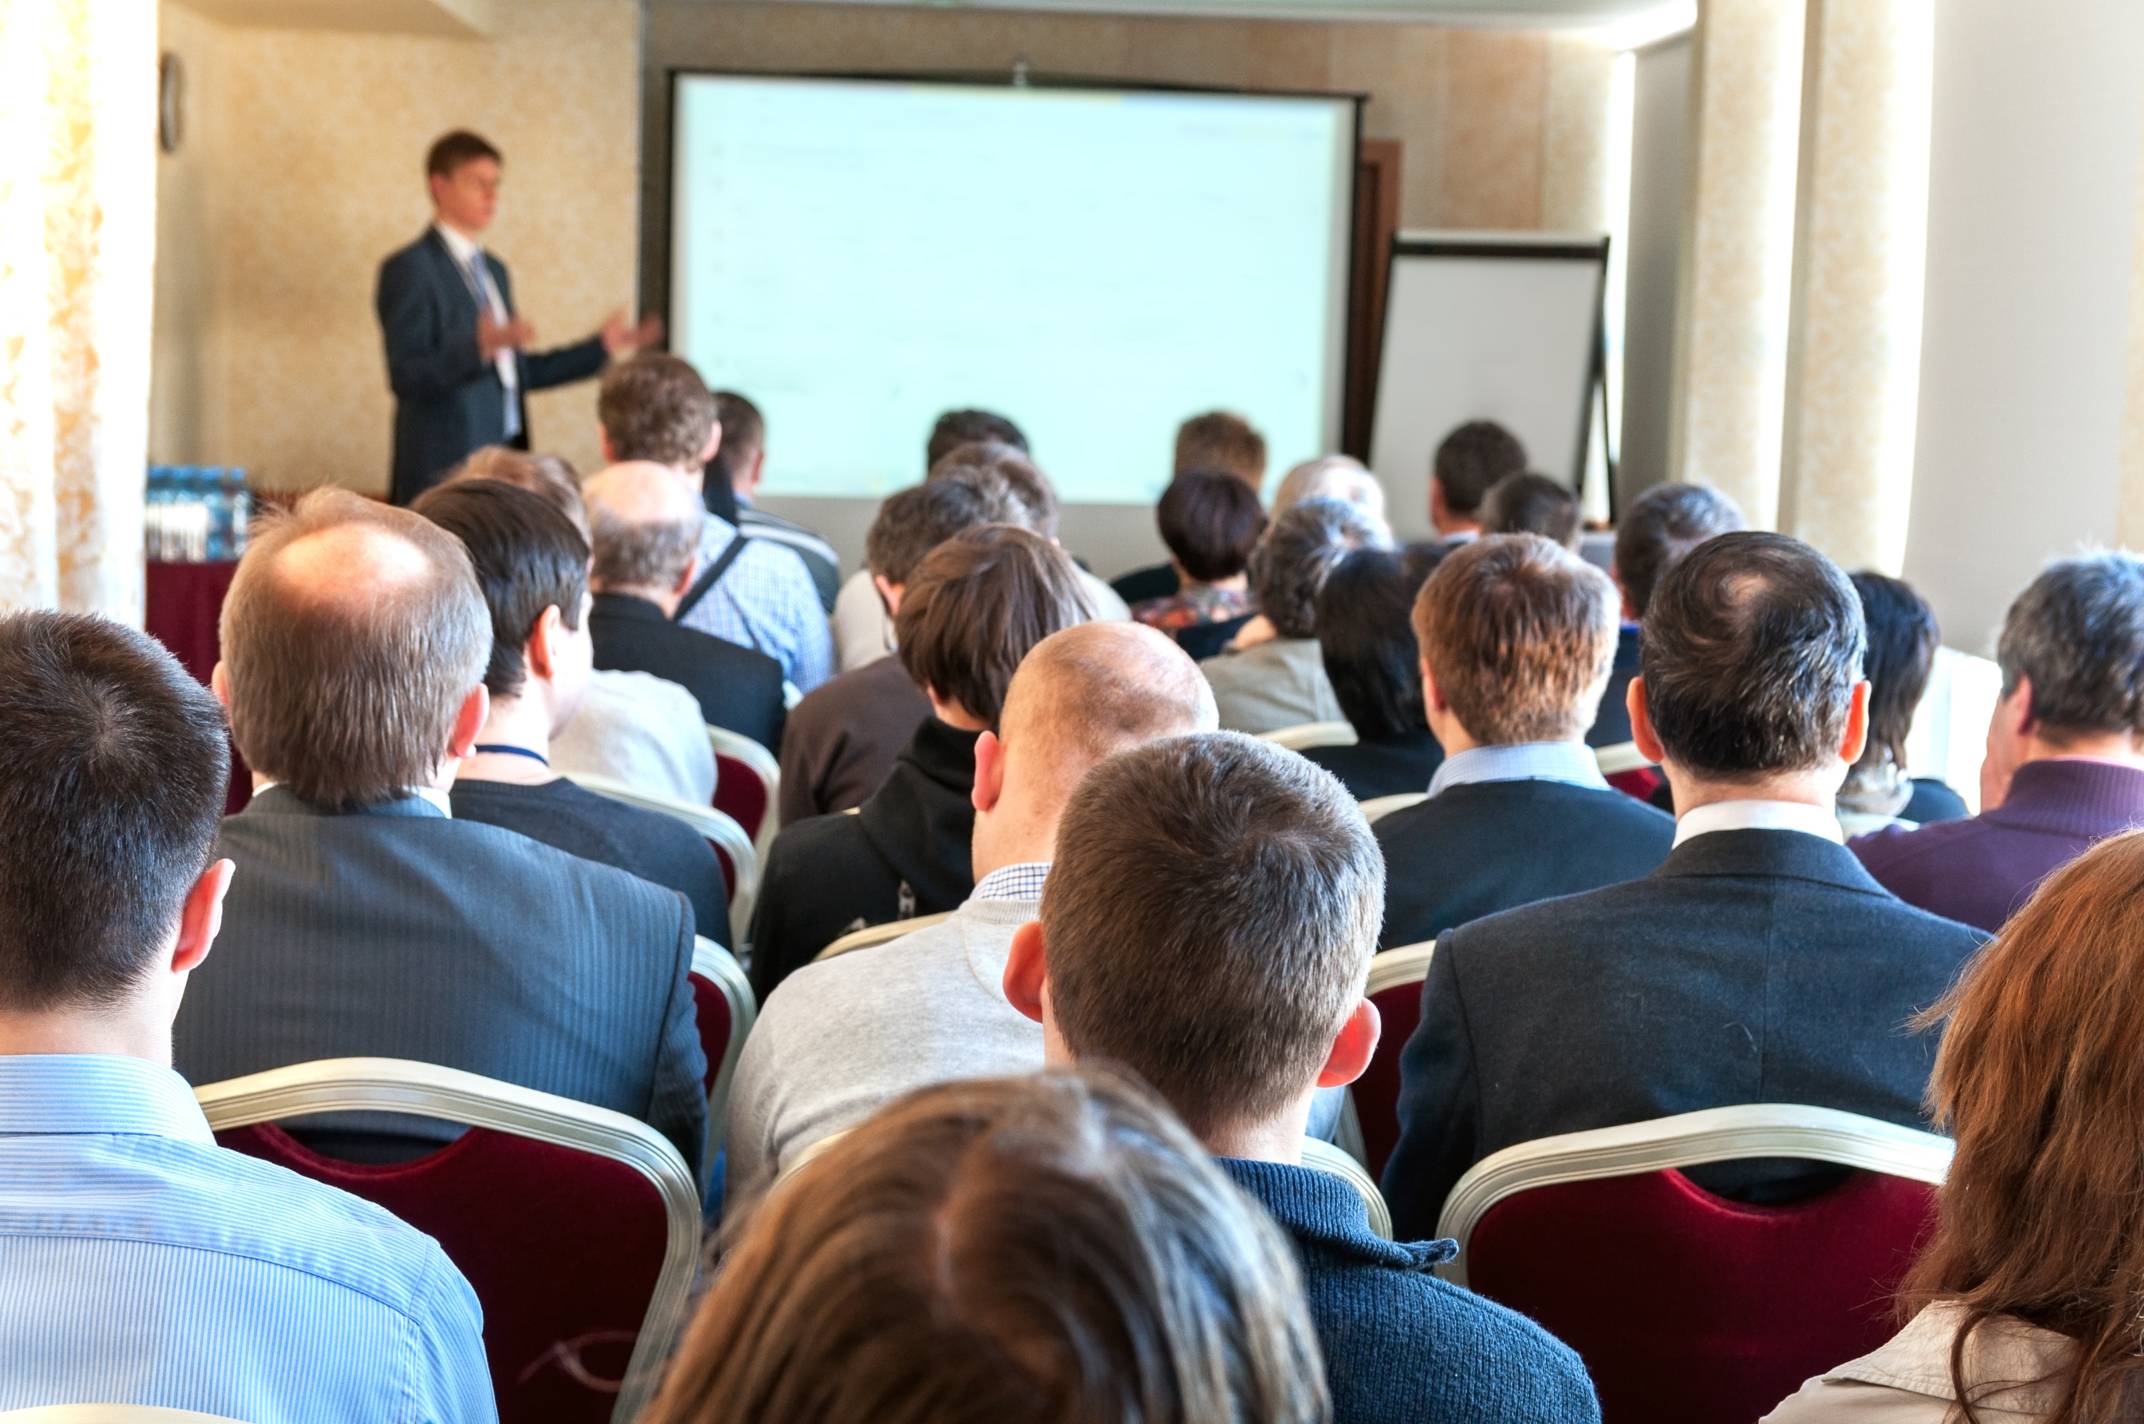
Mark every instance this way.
x=1520 y=635
x=110 y=794
x=550 y=478
x=1051 y=1249
x=1219 y=440
x=1366 y=635
x=351 y=635
x=1472 y=459
x=1532 y=504
x=1661 y=525
x=974 y=607
x=1903 y=638
x=2039 y=1077
x=527 y=558
x=1210 y=521
x=970 y=427
x=1011 y=464
x=1299 y=549
x=1331 y=477
x=655 y=407
x=744 y=429
x=1209 y=919
x=1753 y=644
x=914 y=521
x=644 y=526
x=1088 y=692
x=2077 y=632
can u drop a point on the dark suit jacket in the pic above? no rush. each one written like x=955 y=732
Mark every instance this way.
x=1753 y=966
x=844 y=737
x=738 y=688
x=1612 y=726
x=395 y=932
x=448 y=399
x=1490 y=846
x=1153 y=581
x=1382 y=766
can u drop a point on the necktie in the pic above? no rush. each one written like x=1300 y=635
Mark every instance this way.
x=480 y=278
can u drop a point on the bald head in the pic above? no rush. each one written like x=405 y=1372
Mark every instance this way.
x=352 y=634
x=643 y=525
x=1097 y=689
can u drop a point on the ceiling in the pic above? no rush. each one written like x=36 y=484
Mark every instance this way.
x=459 y=18
x=1650 y=18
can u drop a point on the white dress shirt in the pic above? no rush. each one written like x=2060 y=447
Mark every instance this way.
x=466 y=252
x=1820 y=821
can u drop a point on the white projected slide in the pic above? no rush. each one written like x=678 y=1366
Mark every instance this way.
x=857 y=256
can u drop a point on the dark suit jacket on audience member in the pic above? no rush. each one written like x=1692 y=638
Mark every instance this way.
x=579 y=822
x=738 y=688
x=1201 y=641
x=1982 y=869
x=1489 y=846
x=448 y=399
x=842 y=739
x=1754 y=966
x=1156 y=581
x=1612 y=726
x=1387 y=766
x=395 y=932
x=904 y=852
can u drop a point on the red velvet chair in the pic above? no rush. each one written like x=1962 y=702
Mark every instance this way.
x=733 y=848
x=748 y=785
x=1628 y=770
x=723 y=1006
x=1395 y=986
x=1686 y=1307
x=577 y=1226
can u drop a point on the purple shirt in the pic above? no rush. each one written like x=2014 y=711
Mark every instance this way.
x=1980 y=870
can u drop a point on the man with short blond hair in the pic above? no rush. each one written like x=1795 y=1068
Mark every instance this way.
x=1222 y=441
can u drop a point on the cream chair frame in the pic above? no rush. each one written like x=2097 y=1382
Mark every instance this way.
x=720 y=968
x=1313 y=734
x=870 y=935
x=724 y=742
x=716 y=826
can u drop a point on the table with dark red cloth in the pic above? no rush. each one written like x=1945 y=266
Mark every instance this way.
x=182 y=605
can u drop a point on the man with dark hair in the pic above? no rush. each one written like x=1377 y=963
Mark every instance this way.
x=1210 y=521
x=841 y=1037
x=1661 y=525
x=1759 y=963
x=533 y=569
x=843 y=739
x=2065 y=763
x=1367 y=642
x=367 y=921
x=741 y=464
x=956 y=428
x=755 y=593
x=150 y=1266
x=1515 y=635
x=1207 y=924
x=644 y=529
x=1468 y=465
x=1528 y=503
x=1224 y=441
x=969 y=613
x=456 y=356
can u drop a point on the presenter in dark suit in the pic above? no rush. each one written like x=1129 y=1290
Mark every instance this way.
x=456 y=357
x=1759 y=963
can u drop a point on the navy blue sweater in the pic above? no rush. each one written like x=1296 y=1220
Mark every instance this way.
x=1401 y=1346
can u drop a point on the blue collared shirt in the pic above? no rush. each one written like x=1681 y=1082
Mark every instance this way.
x=1570 y=762
x=765 y=601
x=140 y=1263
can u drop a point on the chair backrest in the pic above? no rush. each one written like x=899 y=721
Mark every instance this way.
x=577 y=1226
x=109 y=1414
x=748 y=786
x=1627 y=770
x=1313 y=734
x=1684 y=1305
x=1325 y=1157
x=740 y=862
x=879 y=934
x=1395 y=986
x=724 y=1008
x=1378 y=807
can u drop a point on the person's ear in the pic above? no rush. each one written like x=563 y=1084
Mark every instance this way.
x=1027 y=971
x=714 y=443
x=1615 y=575
x=1439 y=511
x=1641 y=724
x=201 y=916
x=2018 y=707
x=469 y=722
x=1857 y=724
x=540 y=652
x=610 y=452
x=889 y=593
x=989 y=772
x=685 y=577
x=219 y=683
x=1432 y=697
x=1353 y=1046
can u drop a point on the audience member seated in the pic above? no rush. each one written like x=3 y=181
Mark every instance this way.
x=2025 y=1298
x=1661 y=525
x=1759 y=963
x=1219 y=443
x=971 y=611
x=533 y=567
x=840 y=1038
x=1051 y=1249
x=2065 y=763
x=1468 y=464
x=1208 y=923
x=1903 y=638
x=1210 y=522
x=644 y=525
x=146 y=1265
x=741 y=464
x=752 y=591
x=1332 y=477
x=364 y=919
x=1275 y=675
x=1367 y=639
x=1532 y=504
x=1517 y=634
x=843 y=739
x=956 y=428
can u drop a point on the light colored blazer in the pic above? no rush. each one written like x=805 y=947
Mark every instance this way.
x=1908 y=1380
x=636 y=728
x=1275 y=684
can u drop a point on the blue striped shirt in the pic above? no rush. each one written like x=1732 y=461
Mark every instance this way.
x=142 y=1264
